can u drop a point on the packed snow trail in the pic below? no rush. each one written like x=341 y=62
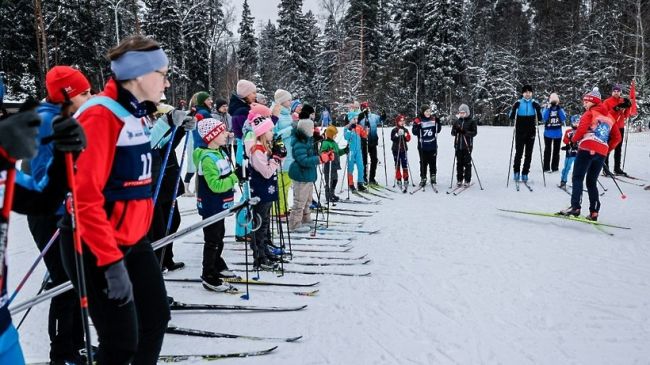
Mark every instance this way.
x=453 y=280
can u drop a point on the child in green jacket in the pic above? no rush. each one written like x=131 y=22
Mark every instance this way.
x=215 y=193
x=330 y=169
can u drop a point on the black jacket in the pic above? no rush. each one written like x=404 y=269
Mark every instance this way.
x=464 y=129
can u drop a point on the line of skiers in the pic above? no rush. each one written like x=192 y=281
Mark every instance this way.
x=128 y=177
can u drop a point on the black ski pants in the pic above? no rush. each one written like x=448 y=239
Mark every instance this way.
x=463 y=165
x=159 y=227
x=372 y=151
x=587 y=167
x=64 y=326
x=552 y=153
x=213 y=235
x=364 y=155
x=131 y=333
x=428 y=162
x=524 y=144
x=262 y=237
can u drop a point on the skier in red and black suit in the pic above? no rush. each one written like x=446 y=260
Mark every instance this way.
x=619 y=108
x=126 y=294
x=596 y=136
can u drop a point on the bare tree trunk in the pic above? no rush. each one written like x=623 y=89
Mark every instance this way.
x=41 y=43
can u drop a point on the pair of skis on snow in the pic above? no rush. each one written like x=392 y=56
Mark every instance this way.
x=423 y=188
x=459 y=189
x=600 y=226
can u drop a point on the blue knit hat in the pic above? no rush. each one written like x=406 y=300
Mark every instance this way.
x=295 y=104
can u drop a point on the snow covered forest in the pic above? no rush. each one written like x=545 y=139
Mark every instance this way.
x=397 y=53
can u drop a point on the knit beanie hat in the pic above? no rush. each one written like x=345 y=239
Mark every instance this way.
x=260 y=124
x=295 y=104
x=67 y=78
x=260 y=109
x=306 y=126
x=331 y=132
x=554 y=98
x=281 y=96
x=245 y=88
x=352 y=115
x=463 y=108
x=617 y=87
x=220 y=102
x=526 y=88
x=209 y=129
x=306 y=111
x=593 y=96
x=365 y=105
x=399 y=118
x=201 y=97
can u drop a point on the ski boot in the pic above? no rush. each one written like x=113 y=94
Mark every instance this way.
x=467 y=183
x=213 y=283
x=362 y=187
x=562 y=185
x=516 y=176
x=423 y=183
x=433 y=179
x=524 y=178
x=593 y=216
x=406 y=186
x=570 y=211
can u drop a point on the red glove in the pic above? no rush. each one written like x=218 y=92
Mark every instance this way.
x=198 y=117
x=417 y=121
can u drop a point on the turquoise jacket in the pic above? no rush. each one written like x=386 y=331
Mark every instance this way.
x=303 y=167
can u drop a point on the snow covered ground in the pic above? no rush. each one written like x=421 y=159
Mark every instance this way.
x=454 y=281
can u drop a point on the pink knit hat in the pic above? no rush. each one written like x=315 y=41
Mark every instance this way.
x=260 y=109
x=210 y=128
x=260 y=124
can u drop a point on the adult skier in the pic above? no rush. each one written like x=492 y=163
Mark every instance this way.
x=525 y=113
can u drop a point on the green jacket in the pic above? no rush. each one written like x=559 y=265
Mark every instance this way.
x=214 y=166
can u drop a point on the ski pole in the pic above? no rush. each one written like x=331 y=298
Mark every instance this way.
x=76 y=234
x=81 y=276
x=249 y=211
x=383 y=146
x=541 y=155
x=34 y=265
x=453 y=163
x=512 y=145
x=627 y=134
x=174 y=195
x=46 y=279
x=473 y=164
x=313 y=233
x=164 y=165
x=601 y=185
x=398 y=161
x=623 y=196
x=4 y=219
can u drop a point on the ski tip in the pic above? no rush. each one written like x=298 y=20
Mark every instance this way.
x=293 y=339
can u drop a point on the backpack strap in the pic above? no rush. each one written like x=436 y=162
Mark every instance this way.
x=107 y=103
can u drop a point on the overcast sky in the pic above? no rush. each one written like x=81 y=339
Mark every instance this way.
x=263 y=10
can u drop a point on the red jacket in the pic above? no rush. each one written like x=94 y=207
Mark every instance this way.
x=130 y=219
x=619 y=116
x=585 y=136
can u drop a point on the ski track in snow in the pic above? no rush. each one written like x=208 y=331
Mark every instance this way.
x=454 y=281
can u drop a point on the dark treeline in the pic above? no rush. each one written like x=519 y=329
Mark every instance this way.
x=388 y=51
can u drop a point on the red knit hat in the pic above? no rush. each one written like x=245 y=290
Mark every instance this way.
x=64 y=78
x=593 y=96
x=365 y=105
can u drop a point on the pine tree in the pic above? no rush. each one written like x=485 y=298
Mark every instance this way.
x=269 y=65
x=289 y=44
x=247 y=52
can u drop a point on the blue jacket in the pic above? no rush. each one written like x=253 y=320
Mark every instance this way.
x=303 y=168
x=2 y=90
x=354 y=144
x=371 y=124
x=554 y=118
x=526 y=113
x=284 y=128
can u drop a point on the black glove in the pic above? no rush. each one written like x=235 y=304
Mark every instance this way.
x=346 y=150
x=118 y=284
x=383 y=116
x=278 y=148
x=189 y=124
x=18 y=134
x=623 y=105
x=565 y=148
x=68 y=135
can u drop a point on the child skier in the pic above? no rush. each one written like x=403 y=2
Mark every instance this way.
x=571 y=150
x=426 y=128
x=464 y=129
x=330 y=170
x=215 y=192
x=353 y=134
x=400 y=137
x=553 y=117
x=303 y=170
x=263 y=168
